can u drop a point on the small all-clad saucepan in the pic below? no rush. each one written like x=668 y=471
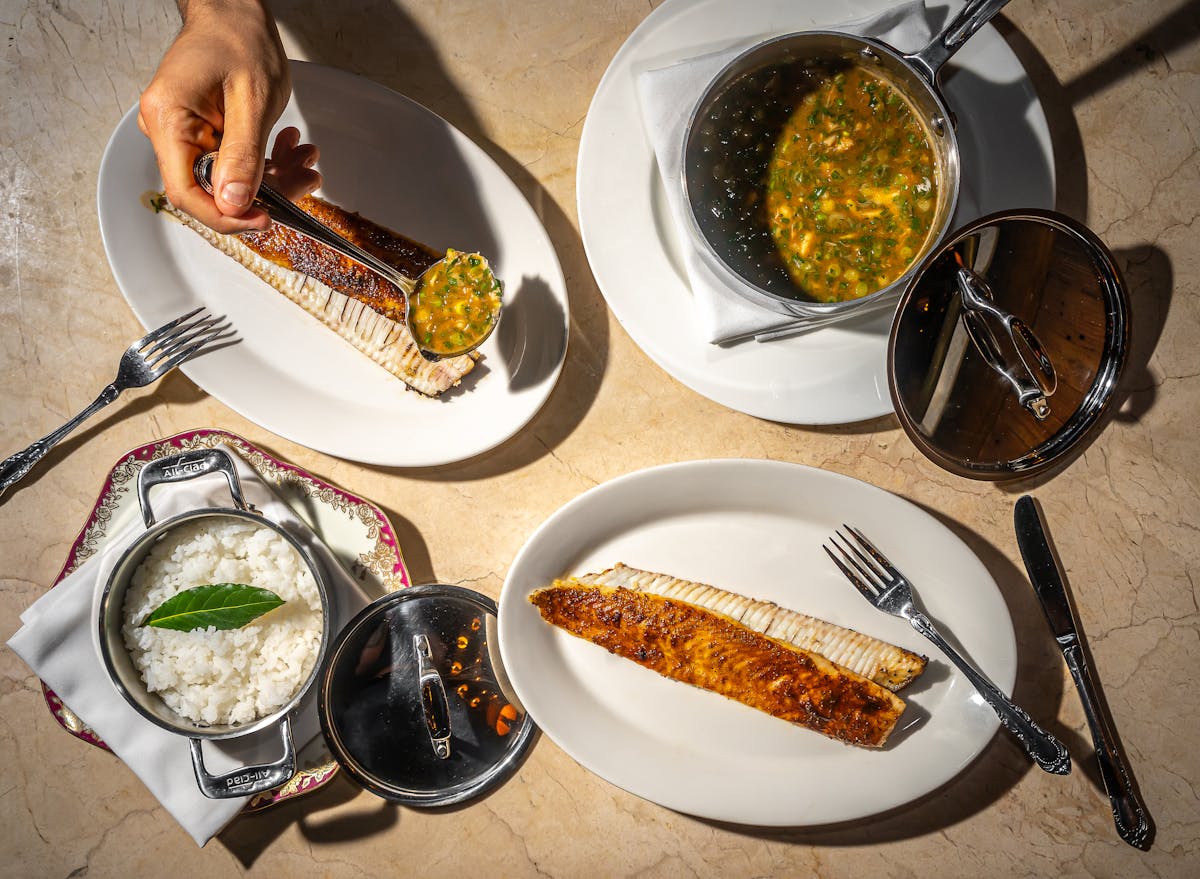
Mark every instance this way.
x=246 y=780
x=732 y=132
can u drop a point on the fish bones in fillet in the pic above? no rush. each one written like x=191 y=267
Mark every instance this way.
x=885 y=664
x=364 y=309
x=706 y=649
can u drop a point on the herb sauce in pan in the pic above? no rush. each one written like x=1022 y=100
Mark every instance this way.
x=850 y=188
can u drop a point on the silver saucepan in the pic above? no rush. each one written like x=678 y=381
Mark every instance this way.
x=125 y=676
x=731 y=133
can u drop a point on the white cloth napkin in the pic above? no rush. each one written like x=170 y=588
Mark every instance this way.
x=669 y=94
x=59 y=642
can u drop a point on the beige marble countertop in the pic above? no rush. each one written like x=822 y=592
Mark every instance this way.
x=1120 y=81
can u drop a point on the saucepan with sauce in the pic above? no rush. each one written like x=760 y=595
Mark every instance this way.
x=821 y=167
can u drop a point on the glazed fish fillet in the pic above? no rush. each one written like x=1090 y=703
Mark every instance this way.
x=706 y=649
x=364 y=309
x=885 y=664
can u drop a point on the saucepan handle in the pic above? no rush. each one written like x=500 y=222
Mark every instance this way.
x=185 y=466
x=974 y=15
x=247 y=780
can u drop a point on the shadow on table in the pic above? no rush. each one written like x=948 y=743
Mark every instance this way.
x=174 y=388
x=250 y=835
x=1146 y=268
x=383 y=43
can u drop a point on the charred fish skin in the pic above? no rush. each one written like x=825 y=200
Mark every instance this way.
x=692 y=645
x=385 y=340
x=884 y=663
x=289 y=249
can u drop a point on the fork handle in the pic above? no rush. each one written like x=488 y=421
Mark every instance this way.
x=1047 y=751
x=14 y=467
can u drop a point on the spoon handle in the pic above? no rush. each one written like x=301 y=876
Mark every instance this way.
x=281 y=210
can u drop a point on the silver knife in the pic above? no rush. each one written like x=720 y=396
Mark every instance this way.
x=1129 y=812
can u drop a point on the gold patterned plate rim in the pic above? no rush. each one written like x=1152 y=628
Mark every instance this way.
x=380 y=564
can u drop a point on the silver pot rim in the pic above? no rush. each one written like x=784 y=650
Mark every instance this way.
x=245 y=780
x=937 y=123
x=126 y=678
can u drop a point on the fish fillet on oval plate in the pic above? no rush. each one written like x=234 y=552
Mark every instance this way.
x=399 y=165
x=755 y=528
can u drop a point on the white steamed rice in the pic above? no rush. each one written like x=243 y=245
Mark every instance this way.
x=237 y=675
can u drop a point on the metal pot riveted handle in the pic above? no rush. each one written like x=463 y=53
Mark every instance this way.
x=246 y=780
x=186 y=466
x=928 y=62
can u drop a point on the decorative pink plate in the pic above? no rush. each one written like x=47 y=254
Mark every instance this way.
x=355 y=530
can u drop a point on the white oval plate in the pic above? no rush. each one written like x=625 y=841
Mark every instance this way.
x=832 y=376
x=754 y=527
x=397 y=163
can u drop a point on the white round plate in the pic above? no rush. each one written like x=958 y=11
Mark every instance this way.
x=834 y=375
x=400 y=165
x=753 y=527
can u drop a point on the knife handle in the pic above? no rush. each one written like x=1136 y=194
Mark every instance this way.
x=1129 y=812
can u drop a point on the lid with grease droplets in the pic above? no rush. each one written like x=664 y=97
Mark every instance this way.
x=414 y=703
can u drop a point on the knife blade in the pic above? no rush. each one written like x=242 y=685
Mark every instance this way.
x=1132 y=818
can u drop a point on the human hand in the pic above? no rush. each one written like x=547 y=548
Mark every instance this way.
x=223 y=83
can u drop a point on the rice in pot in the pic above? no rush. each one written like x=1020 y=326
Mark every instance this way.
x=237 y=675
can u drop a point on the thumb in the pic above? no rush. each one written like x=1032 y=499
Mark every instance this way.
x=239 y=166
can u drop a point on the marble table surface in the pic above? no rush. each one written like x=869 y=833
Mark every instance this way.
x=1120 y=83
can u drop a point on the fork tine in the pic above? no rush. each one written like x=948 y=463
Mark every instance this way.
x=176 y=332
x=220 y=333
x=879 y=557
x=854 y=558
x=182 y=336
x=868 y=592
x=153 y=335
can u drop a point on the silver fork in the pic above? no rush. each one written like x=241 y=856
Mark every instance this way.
x=145 y=361
x=888 y=590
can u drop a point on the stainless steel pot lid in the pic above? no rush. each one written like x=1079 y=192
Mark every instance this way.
x=414 y=703
x=1008 y=344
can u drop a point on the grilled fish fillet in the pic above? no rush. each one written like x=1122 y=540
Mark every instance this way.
x=364 y=309
x=885 y=664
x=696 y=646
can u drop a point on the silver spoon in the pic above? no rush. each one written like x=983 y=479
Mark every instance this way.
x=429 y=290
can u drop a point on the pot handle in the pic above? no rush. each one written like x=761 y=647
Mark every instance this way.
x=249 y=779
x=961 y=28
x=185 y=466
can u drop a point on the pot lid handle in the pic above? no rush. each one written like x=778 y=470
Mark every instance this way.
x=186 y=466
x=433 y=698
x=1032 y=384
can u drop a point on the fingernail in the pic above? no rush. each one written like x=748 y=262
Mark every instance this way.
x=236 y=193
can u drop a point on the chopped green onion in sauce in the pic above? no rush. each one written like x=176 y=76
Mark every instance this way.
x=851 y=188
x=456 y=304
